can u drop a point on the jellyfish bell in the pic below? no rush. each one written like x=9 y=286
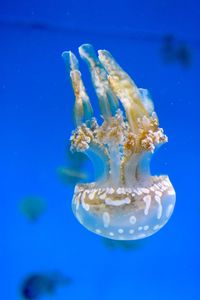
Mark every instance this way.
x=125 y=202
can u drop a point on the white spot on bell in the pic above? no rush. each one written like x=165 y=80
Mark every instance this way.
x=92 y=194
x=102 y=196
x=171 y=192
x=109 y=201
x=159 y=213
x=84 y=205
x=156 y=227
x=147 y=200
x=141 y=235
x=158 y=193
x=132 y=220
x=169 y=210
x=106 y=219
x=145 y=191
x=146 y=227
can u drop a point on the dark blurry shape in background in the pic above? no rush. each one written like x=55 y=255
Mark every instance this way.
x=71 y=176
x=73 y=173
x=128 y=33
x=37 y=285
x=124 y=245
x=184 y=55
x=32 y=207
x=175 y=51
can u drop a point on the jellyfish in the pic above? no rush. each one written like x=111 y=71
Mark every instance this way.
x=124 y=202
x=174 y=51
x=32 y=207
x=36 y=285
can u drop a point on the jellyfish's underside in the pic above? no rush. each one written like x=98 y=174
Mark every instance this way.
x=125 y=202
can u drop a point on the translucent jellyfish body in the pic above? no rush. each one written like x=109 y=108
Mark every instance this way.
x=125 y=202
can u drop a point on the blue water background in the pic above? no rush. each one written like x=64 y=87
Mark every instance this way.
x=36 y=120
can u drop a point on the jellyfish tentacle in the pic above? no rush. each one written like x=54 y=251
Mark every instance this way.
x=70 y=60
x=108 y=104
x=100 y=161
x=130 y=168
x=143 y=168
x=115 y=163
x=83 y=140
x=107 y=100
x=124 y=88
x=82 y=109
x=146 y=100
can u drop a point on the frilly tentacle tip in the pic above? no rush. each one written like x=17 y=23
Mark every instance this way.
x=70 y=60
x=85 y=47
x=65 y=55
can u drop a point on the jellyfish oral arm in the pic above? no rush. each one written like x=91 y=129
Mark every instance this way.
x=124 y=201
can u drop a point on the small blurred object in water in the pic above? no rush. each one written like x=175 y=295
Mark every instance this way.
x=39 y=284
x=167 y=50
x=173 y=51
x=184 y=55
x=72 y=174
x=124 y=245
x=32 y=207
